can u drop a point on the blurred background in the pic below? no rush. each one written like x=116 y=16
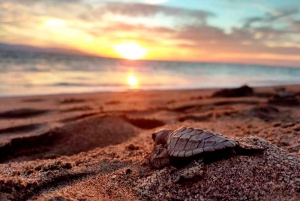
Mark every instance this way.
x=74 y=46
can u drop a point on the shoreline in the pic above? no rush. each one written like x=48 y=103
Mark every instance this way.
x=290 y=86
x=92 y=146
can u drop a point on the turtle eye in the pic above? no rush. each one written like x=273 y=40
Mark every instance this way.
x=154 y=136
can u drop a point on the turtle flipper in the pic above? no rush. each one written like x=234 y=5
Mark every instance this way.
x=194 y=169
x=159 y=157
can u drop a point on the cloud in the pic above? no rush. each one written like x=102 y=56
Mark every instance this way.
x=296 y=25
x=272 y=17
x=276 y=32
x=20 y=13
x=138 y=32
x=155 y=1
x=199 y=33
x=200 y=37
x=148 y=10
x=258 y=35
x=46 y=2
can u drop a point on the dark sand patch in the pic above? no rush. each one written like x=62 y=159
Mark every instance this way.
x=186 y=107
x=145 y=123
x=71 y=100
x=170 y=101
x=291 y=101
x=219 y=103
x=263 y=94
x=79 y=108
x=268 y=113
x=203 y=117
x=196 y=98
x=263 y=112
x=22 y=113
x=235 y=92
x=112 y=102
x=285 y=99
x=20 y=129
x=205 y=106
x=78 y=117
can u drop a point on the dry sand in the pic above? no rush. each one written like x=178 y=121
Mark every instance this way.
x=95 y=146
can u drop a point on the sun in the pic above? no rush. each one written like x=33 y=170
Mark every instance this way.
x=132 y=81
x=130 y=50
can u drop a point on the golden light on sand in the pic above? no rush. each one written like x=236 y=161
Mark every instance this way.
x=132 y=81
x=130 y=50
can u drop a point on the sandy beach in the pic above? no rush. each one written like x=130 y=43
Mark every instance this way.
x=95 y=146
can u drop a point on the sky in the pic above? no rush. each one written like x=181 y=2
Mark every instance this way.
x=231 y=31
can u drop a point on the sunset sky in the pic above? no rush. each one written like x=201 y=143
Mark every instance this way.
x=259 y=32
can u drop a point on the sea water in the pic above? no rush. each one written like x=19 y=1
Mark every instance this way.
x=24 y=73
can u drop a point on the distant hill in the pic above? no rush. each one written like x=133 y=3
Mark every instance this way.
x=27 y=48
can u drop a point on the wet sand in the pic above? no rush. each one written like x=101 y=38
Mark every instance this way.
x=95 y=146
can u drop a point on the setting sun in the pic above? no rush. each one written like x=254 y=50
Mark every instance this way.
x=132 y=81
x=130 y=50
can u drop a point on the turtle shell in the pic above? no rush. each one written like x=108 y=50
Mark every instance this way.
x=188 y=141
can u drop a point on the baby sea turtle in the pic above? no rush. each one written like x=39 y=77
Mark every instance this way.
x=185 y=145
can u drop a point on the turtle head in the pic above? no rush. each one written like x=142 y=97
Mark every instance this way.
x=159 y=157
x=160 y=136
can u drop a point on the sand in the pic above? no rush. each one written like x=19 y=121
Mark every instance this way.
x=95 y=146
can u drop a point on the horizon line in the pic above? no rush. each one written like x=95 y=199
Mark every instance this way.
x=76 y=52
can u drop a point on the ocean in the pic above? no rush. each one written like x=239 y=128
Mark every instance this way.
x=24 y=73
